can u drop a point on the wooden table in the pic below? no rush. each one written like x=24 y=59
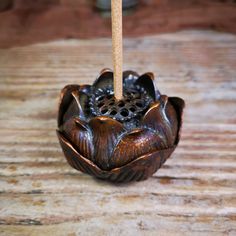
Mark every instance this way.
x=193 y=194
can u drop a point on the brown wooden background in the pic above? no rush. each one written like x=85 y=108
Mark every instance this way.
x=30 y=21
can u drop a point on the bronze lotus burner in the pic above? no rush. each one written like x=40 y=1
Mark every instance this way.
x=122 y=140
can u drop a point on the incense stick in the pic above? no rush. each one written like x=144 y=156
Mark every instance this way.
x=117 y=47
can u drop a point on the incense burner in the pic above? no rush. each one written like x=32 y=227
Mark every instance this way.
x=122 y=140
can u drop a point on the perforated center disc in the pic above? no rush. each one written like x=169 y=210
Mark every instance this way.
x=134 y=103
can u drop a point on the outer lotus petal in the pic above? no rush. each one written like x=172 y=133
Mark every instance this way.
x=147 y=82
x=80 y=135
x=77 y=161
x=104 y=79
x=162 y=117
x=135 y=144
x=106 y=132
x=178 y=104
x=142 y=167
x=72 y=102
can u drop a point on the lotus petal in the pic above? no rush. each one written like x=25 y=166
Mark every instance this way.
x=178 y=104
x=72 y=102
x=142 y=167
x=135 y=144
x=106 y=132
x=147 y=82
x=162 y=117
x=80 y=135
x=105 y=79
x=76 y=160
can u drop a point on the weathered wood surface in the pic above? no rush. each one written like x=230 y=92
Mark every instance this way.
x=195 y=192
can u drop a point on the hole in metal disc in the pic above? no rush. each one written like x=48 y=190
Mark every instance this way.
x=105 y=110
x=132 y=109
x=113 y=112
x=124 y=112
x=121 y=104
x=139 y=104
x=100 y=104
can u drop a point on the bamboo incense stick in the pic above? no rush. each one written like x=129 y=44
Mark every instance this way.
x=117 y=47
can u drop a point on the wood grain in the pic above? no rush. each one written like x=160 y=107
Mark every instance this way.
x=193 y=194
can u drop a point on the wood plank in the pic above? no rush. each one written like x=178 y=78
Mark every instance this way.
x=58 y=208
x=129 y=224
